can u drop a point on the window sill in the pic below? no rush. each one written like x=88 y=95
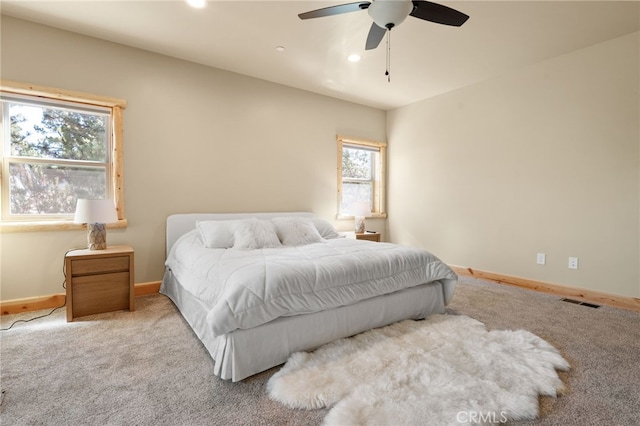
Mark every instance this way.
x=351 y=217
x=51 y=225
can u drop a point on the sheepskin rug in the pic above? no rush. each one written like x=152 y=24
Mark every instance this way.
x=447 y=369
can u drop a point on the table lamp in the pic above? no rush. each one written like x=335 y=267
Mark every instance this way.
x=96 y=214
x=360 y=210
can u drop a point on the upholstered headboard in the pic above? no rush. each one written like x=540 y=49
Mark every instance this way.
x=180 y=224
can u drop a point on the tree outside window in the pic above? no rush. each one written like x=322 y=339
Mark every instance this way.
x=361 y=175
x=56 y=156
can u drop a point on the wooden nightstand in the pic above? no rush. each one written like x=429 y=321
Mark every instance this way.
x=368 y=236
x=99 y=281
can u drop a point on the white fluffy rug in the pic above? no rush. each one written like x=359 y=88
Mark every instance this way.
x=445 y=370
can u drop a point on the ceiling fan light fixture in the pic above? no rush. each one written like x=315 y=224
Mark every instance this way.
x=389 y=13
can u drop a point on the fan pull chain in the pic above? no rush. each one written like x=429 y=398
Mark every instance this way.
x=388 y=72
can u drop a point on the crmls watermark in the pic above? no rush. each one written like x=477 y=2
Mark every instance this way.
x=479 y=417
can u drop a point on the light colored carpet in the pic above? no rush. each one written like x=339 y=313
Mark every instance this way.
x=448 y=369
x=148 y=368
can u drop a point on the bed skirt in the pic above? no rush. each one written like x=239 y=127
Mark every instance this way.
x=243 y=353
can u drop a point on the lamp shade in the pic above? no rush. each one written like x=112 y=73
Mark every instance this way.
x=361 y=209
x=95 y=211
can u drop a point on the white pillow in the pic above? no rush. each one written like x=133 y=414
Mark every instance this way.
x=325 y=229
x=296 y=231
x=255 y=234
x=217 y=233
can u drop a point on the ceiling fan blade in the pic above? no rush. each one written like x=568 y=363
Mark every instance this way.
x=376 y=34
x=335 y=10
x=437 y=13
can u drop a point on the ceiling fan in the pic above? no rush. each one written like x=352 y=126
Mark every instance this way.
x=387 y=14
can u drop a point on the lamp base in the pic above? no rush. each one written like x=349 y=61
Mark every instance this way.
x=359 y=224
x=97 y=236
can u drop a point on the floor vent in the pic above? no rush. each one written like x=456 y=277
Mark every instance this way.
x=577 y=302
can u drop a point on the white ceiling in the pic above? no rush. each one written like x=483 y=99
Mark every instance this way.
x=427 y=59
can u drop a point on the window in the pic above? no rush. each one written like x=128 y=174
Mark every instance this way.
x=56 y=147
x=361 y=175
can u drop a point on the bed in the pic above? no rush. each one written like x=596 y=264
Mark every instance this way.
x=253 y=299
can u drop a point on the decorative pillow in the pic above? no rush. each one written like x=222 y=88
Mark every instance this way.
x=325 y=229
x=255 y=234
x=217 y=233
x=296 y=231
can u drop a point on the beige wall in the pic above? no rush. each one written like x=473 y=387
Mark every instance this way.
x=543 y=159
x=196 y=139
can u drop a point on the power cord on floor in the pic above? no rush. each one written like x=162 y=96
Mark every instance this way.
x=34 y=318
x=64 y=285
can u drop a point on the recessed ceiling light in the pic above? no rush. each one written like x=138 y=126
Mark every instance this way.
x=198 y=4
x=280 y=48
x=353 y=57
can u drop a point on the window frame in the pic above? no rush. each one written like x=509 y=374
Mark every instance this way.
x=61 y=96
x=379 y=174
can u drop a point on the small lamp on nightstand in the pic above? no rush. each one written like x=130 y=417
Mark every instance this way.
x=96 y=214
x=360 y=210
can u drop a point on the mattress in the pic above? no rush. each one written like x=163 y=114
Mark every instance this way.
x=247 y=288
x=243 y=353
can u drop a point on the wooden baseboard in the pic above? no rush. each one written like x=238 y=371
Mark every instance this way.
x=584 y=295
x=144 y=289
x=17 y=306
x=32 y=304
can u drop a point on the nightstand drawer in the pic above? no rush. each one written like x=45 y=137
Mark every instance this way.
x=100 y=265
x=368 y=236
x=94 y=294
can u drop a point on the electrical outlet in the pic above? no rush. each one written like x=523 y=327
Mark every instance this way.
x=541 y=258
x=573 y=263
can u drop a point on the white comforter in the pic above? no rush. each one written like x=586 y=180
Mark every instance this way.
x=246 y=288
